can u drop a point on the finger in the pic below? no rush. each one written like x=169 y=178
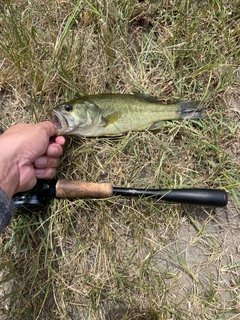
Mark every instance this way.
x=46 y=162
x=54 y=150
x=59 y=140
x=47 y=173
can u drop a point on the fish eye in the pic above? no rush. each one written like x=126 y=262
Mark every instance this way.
x=68 y=107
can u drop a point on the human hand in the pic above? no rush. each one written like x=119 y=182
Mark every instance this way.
x=28 y=152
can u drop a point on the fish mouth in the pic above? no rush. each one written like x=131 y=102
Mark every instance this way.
x=59 y=122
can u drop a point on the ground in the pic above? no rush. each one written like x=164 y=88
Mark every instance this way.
x=125 y=258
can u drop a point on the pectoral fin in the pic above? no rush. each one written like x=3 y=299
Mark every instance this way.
x=156 y=125
x=112 y=118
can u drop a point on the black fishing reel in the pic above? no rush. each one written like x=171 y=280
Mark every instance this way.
x=38 y=196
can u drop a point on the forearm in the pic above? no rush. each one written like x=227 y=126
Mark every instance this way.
x=8 y=182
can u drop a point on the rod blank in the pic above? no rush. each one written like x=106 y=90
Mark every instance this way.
x=200 y=197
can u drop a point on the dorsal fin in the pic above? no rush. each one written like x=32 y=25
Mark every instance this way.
x=147 y=97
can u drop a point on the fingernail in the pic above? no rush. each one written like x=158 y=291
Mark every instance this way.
x=57 y=126
x=39 y=172
x=54 y=151
x=41 y=162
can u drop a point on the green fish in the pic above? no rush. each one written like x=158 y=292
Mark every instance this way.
x=116 y=114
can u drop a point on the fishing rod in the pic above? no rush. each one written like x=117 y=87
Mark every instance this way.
x=68 y=189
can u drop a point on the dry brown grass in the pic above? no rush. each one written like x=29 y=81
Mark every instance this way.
x=126 y=258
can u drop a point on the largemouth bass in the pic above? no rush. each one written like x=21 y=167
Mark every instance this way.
x=115 y=114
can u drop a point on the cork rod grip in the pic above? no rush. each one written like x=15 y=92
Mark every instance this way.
x=82 y=190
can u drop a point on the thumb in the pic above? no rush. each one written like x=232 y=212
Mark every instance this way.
x=48 y=126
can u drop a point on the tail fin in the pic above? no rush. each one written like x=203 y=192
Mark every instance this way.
x=191 y=110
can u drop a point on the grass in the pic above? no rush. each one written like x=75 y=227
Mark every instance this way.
x=126 y=258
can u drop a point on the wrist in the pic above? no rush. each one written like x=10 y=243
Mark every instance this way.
x=8 y=181
x=9 y=175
